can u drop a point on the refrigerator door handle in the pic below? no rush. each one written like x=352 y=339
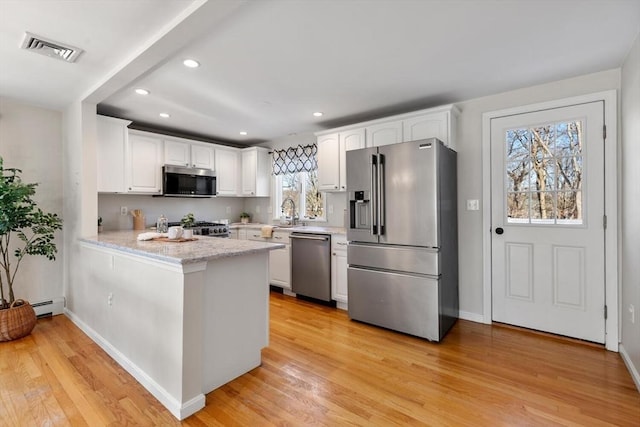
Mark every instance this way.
x=374 y=195
x=381 y=198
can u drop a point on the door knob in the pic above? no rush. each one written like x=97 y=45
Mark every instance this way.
x=499 y=230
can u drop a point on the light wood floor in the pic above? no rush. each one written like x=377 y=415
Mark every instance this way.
x=323 y=369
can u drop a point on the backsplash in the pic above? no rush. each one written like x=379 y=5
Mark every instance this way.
x=173 y=208
x=203 y=209
x=261 y=211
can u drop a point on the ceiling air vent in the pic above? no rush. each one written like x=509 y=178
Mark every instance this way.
x=50 y=48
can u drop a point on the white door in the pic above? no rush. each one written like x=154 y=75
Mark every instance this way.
x=547 y=213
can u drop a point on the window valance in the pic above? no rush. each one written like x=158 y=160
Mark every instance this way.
x=295 y=159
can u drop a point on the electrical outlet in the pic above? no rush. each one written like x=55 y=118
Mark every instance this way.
x=330 y=209
x=632 y=313
x=110 y=299
x=473 y=205
x=258 y=209
x=228 y=209
x=123 y=210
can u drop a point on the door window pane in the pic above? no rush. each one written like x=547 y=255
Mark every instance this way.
x=544 y=168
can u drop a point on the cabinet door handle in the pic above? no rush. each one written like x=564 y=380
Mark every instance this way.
x=342 y=243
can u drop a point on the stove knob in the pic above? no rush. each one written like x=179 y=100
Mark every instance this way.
x=216 y=231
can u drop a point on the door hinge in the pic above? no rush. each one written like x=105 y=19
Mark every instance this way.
x=605 y=312
x=604 y=131
x=604 y=221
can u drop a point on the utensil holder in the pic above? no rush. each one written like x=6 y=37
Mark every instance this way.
x=138 y=223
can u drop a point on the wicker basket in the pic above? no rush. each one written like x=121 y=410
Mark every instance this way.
x=17 y=321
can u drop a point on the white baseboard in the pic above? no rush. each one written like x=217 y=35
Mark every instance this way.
x=635 y=375
x=178 y=410
x=473 y=317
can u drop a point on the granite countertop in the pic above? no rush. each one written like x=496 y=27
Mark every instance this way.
x=201 y=249
x=297 y=228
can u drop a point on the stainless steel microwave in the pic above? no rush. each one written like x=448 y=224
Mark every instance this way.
x=180 y=181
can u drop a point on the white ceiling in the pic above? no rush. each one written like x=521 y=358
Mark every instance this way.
x=268 y=65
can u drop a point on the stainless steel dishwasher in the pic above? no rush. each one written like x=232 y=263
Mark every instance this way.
x=311 y=265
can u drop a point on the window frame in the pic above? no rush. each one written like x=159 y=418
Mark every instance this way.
x=276 y=183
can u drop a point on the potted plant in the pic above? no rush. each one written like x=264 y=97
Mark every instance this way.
x=24 y=230
x=187 y=222
x=100 y=227
x=244 y=217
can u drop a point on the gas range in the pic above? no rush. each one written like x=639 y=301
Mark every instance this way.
x=204 y=228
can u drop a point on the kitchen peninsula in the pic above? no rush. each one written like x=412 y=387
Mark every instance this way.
x=183 y=318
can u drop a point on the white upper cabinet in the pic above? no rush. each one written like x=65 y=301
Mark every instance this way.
x=353 y=139
x=384 y=133
x=329 y=162
x=227 y=166
x=111 y=146
x=177 y=153
x=437 y=124
x=203 y=156
x=144 y=164
x=255 y=172
x=332 y=168
x=189 y=154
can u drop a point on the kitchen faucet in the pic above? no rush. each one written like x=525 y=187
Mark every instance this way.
x=293 y=213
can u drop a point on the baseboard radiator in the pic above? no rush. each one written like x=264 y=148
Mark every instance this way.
x=48 y=308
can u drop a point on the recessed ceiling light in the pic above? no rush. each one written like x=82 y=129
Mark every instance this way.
x=243 y=132
x=318 y=114
x=165 y=115
x=191 y=63
x=141 y=91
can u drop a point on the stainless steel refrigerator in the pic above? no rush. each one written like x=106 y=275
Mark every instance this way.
x=403 y=237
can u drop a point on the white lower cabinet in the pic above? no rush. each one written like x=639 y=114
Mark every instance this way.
x=280 y=262
x=279 y=259
x=339 y=269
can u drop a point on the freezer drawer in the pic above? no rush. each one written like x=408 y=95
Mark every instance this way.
x=396 y=301
x=397 y=258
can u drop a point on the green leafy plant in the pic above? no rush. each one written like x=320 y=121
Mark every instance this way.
x=188 y=220
x=21 y=219
x=245 y=215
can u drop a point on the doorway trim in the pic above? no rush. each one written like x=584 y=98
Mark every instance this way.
x=612 y=332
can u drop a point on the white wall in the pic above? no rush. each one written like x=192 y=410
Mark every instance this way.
x=470 y=169
x=31 y=140
x=630 y=216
